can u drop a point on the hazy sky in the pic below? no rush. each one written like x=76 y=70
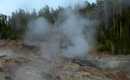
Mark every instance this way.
x=8 y=6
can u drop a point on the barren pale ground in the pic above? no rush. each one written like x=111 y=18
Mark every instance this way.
x=19 y=62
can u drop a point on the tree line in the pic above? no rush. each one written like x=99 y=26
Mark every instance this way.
x=113 y=29
x=114 y=26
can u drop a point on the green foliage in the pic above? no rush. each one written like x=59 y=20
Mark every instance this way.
x=114 y=31
x=18 y=22
x=5 y=30
x=50 y=14
x=16 y=25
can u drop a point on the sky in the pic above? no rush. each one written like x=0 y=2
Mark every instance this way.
x=9 y=6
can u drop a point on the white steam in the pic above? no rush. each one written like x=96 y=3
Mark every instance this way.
x=37 y=31
x=73 y=28
x=66 y=38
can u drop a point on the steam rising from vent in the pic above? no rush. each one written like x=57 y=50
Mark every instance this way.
x=73 y=27
x=67 y=33
x=37 y=31
x=66 y=38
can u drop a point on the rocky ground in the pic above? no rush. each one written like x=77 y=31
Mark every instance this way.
x=95 y=67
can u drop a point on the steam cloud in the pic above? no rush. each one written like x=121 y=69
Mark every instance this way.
x=73 y=27
x=66 y=38
x=70 y=31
